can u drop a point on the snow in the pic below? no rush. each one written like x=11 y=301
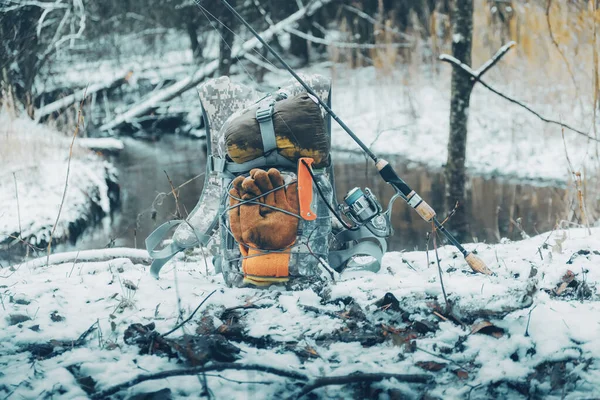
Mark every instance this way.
x=36 y=157
x=538 y=326
x=102 y=144
x=457 y=38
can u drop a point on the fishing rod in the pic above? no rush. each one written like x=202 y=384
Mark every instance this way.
x=386 y=171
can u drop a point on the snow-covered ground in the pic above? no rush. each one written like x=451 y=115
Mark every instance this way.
x=530 y=330
x=33 y=168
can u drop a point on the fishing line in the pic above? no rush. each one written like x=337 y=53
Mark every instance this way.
x=205 y=12
x=202 y=9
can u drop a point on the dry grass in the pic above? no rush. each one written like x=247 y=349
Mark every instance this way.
x=534 y=64
x=24 y=144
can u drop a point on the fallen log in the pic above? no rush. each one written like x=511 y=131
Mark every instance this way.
x=135 y=255
x=148 y=105
x=76 y=97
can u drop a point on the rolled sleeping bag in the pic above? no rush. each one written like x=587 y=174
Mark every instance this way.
x=299 y=130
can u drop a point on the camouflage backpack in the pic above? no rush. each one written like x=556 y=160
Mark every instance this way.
x=323 y=245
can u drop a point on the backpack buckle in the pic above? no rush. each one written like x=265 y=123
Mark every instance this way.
x=265 y=111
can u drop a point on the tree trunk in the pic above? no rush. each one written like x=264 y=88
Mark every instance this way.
x=299 y=46
x=194 y=43
x=459 y=114
x=226 y=29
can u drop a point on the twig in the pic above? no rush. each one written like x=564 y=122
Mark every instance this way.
x=443 y=358
x=562 y=55
x=529 y=320
x=178 y=212
x=342 y=45
x=492 y=61
x=577 y=181
x=64 y=195
x=197 y=370
x=191 y=316
x=240 y=382
x=18 y=206
x=360 y=377
x=26 y=243
x=437 y=257
x=450 y=215
x=73 y=267
x=475 y=75
x=85 y=334
x=372 y=20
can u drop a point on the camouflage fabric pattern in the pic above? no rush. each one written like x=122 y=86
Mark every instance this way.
x=311 y=246
x=318 y=83
x=220 y=98
x=312 y=242
x=223 y=100
x=203 y=216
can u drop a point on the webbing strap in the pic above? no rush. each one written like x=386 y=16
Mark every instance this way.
x=162 y=256
x=260 y=162
x=264 y=116
x=368 y=245
x=339 y=258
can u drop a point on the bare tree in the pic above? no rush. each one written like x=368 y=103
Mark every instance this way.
x=32 y=31
x=462 y=86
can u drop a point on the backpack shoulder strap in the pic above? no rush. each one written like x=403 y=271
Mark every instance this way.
x=219 y=98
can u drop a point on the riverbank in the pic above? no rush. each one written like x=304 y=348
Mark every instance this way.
x=528 y=331
x=34 y=160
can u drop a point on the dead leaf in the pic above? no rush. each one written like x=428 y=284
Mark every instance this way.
x=56 y=317
x=557 y=248
x=487 y=328
x=15 y=319
x=110 y=345
x=311 y=351
x=461 y=373
x=129 y=285
x=566 y=279
x=430 y=365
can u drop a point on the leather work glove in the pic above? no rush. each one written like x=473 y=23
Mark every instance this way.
x=257 y=227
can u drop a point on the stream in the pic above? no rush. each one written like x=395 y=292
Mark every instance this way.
x=143 y=168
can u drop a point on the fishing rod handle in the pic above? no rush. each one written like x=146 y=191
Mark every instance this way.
x=412 y=198
x=477 y=264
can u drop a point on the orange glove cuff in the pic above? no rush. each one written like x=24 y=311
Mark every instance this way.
x=267 y=265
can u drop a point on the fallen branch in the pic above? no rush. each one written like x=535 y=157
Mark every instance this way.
x=307 y=388
x=81 y=95
x=372 y=20
x=137 y=256
x=191 y=316
x=342 y=45
x=173 y=91
x=262 y=64
x=54 y=348
x=361 y=377
x=196 y=371
x=476 y=77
